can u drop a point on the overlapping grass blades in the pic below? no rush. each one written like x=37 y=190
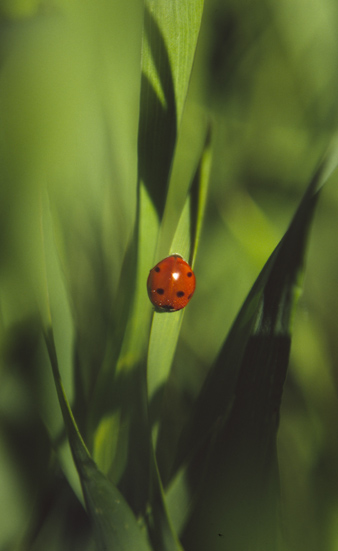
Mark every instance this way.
x=228 y=448
x=113 y=521
x=170 y=37
x=225 y=469
x=122 y=440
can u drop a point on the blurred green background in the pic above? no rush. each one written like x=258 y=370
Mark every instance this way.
x=267 y=75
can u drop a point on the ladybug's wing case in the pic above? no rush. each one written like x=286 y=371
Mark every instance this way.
x=171 y=284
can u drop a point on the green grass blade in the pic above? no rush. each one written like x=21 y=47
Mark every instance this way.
x=190 y=143
x=201 y=192
x=235 y=420
x=162 y=345
x=114 y=524
x=170 y=35
x=219 y=389
x=166 y=327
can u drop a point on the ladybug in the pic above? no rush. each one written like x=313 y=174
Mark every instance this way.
x=171 y=284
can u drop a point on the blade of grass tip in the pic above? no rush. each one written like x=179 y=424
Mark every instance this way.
x=200 y=192
x=190 y=142
x=115 y=526
x=241 y=480
x=166 y=327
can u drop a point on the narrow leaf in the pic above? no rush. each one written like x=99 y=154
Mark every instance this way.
x=166 y=327
x=170 y=35
x=114 y=524
x=218 y=391
x=235 y=420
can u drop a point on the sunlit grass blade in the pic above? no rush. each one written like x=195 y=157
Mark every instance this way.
x=235 y=420
x=170 y=35
x=163 y=340
x=200 y=198
x=114 y=524
x=166 y=327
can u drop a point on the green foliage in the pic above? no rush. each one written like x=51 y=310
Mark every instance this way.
x=132 y=131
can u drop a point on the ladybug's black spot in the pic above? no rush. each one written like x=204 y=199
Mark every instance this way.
x=180 y=293
x=160 y=291
x=189 y=274
x=157 y=269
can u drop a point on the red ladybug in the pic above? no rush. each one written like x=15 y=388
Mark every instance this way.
x=171 y=284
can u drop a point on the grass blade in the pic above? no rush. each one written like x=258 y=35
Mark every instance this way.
x=165 y=328
x=170 y=35
x=235 y=420
x=114 y=524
